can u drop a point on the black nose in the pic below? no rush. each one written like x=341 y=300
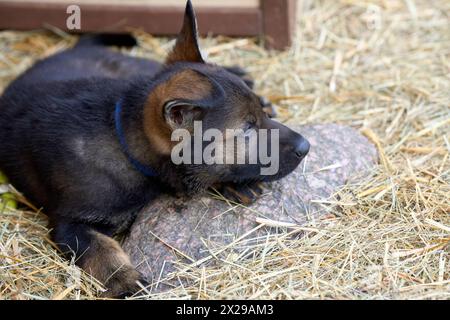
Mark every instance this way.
x=302 y=148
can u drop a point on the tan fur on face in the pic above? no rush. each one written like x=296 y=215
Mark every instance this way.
x=186 y=84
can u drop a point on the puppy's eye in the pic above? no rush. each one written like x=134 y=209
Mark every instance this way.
x=251 y=124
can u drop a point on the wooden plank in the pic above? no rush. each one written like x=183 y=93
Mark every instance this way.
x=163 y=3
x=119 y=18
x=279 y=22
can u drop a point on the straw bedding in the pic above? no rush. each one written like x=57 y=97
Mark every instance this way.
x=382 y=67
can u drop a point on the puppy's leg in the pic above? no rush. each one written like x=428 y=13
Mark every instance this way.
x=99 y=255
x=241 y=73
x=266 y=105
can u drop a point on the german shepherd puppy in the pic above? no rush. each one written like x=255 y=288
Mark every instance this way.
x=86 y=134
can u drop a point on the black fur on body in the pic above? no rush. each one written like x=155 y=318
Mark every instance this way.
x=59 y=145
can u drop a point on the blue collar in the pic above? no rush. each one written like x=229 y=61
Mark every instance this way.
x=142 y=168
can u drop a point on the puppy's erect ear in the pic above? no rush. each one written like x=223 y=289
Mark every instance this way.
x=186 y=47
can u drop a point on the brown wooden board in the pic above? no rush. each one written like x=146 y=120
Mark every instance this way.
x=279 y=22
x=275 y=18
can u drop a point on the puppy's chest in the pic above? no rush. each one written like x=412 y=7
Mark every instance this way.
x=109 y=179
x=102 y=159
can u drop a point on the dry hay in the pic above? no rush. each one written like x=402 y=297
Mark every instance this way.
x=379 y=66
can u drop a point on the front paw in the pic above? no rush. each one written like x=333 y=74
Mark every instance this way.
x=245 y=193
x=124 y=284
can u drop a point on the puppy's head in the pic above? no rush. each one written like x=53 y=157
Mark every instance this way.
x=207 y=126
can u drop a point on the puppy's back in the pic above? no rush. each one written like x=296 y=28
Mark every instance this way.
x=90 y=58
x=38 y=123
